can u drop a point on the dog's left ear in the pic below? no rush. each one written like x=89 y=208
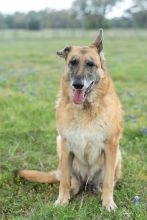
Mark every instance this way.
x=99 y=41
x=64 y=52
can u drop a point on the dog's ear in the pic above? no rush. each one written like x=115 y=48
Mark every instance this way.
x=64 y=52
x=99 y=41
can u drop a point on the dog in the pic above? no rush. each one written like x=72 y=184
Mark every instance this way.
x=89 y=123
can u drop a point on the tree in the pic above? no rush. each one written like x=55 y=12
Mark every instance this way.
x=61 y=19
x=2 y=22
x=33 y=21
x=19 y=21
x=138 y=13
x=139 y=5
x=93 y=12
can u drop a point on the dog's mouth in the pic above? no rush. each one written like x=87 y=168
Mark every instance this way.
x=79 y=95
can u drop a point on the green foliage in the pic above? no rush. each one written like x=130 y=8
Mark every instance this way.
x=92 y=13
x=86 y=14
x=39 y=20
x=137 y=14
x=29 y=82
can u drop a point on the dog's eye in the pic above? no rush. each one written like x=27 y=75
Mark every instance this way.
x=74 y=62
x=90 y=64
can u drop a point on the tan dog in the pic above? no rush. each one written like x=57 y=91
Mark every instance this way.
x=89 y=123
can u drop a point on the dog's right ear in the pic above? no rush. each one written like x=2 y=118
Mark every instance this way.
x=64 y=52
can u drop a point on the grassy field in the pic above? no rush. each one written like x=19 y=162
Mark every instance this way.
x=29 y=81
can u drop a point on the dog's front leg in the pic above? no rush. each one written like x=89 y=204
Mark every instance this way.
x=65 y=166
x=108 y=183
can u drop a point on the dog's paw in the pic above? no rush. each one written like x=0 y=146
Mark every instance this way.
x=62 y=201
x=109 y=205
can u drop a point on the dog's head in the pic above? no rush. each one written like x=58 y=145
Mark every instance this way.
x=83 y=68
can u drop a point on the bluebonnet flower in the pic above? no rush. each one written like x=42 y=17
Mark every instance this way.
x=23 y=84
x=32 y=93
x=23 y=91
x=144 y=130
x=136 y=199
x=131 y=93
x=132 y=117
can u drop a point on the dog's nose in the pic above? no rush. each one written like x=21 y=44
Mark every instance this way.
x=78 y=84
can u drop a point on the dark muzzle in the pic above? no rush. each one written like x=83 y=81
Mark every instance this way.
x=78 y=82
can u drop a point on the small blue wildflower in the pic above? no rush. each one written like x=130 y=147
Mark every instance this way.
x=23 y=84
x=136 y=199
x=132 y=117
x=131 y=94
x=144 y=130
x=32 y=93
x=23 y=91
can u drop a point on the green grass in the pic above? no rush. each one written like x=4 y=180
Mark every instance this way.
x=29 y=82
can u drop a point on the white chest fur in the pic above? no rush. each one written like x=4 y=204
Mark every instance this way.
x=86 y=142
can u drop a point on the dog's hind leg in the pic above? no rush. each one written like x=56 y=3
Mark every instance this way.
x=75 y=186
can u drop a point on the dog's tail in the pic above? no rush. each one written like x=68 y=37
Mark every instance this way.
x=38 y=176
x=43 y=177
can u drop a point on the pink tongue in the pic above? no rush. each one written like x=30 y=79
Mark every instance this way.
x=78 y=96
